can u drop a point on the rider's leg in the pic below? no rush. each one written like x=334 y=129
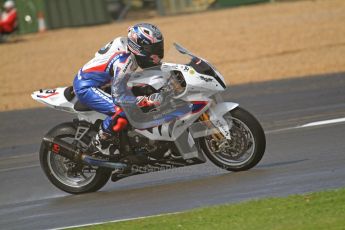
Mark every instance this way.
x=99 y=101
x=96 y=99
x=116 y=122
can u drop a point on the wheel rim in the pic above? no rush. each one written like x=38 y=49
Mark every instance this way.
x=237 y=151
x=68 y=172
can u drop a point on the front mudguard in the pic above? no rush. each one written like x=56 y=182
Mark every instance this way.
x=217 y=111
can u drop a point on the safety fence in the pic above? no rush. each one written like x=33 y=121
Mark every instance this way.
x=39 y=15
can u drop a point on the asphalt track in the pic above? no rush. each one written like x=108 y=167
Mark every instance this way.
x=296 y=161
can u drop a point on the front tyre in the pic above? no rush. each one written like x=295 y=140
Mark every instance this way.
x=65 y=174
x=246 y=147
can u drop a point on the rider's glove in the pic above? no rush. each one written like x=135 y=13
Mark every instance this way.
x=150 y=101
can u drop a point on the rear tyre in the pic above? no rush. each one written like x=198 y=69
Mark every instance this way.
x=71 y=177
x=246 y=147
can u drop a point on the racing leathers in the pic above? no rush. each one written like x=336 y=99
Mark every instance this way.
x=110 y=64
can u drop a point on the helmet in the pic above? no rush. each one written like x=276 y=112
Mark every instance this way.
x=9 y=5
x=146 y=42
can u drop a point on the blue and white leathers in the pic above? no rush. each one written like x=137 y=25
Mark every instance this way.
x=110 y=63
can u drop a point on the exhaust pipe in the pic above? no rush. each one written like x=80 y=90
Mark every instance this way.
x=102 y=163
x=65 y=149
x=61 y=147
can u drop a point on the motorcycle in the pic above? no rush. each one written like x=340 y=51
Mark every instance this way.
x=192 y=123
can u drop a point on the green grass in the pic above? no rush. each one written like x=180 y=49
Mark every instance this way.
x=321 y=210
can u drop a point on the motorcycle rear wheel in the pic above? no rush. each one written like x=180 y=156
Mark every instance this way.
x=67 y=175
x=246 y=147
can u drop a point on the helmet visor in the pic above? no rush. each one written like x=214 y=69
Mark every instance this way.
x=155 y=49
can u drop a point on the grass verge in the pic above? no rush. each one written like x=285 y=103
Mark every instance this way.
x=320 y=210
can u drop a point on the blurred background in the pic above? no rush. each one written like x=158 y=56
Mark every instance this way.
x=39 y=15
x=247 y=40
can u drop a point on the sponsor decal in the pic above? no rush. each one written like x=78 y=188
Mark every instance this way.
x=158 y=116
x=180 y=124
x=205 y=79
x=191 y=72
x=220 y=125
x=126 y=66
x=168 y=67
x=122 y=58
x=48 y=93
x=112 y=62
x=50 y=90
x=56 y=148
x=164 y=66
x=149 y=168
x=99 y=93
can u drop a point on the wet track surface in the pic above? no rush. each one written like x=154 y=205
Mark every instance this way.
x=296 y=161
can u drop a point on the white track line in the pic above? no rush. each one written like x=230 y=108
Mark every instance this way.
x=19 y=168
x=312 y=124
x=17 y=156
x=115 y=221
x=325 y=122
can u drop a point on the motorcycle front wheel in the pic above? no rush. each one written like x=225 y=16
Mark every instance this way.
x=246 y=147
x=69 y=176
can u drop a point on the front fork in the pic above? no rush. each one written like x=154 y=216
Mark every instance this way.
x=218 y=136
x=215 y=116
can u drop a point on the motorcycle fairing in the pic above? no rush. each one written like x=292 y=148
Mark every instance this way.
x=54 y=98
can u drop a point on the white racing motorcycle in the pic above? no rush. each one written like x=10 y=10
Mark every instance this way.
x=191 y=123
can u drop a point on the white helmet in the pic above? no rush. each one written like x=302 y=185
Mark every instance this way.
x=9 y=5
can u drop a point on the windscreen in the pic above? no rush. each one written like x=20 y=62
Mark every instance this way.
x=128 y=90
x=174 y=55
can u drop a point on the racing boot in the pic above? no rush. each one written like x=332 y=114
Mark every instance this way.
x=105 y=138
x=101 y=142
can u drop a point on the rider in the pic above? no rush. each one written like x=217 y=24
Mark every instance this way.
x=142 y=47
